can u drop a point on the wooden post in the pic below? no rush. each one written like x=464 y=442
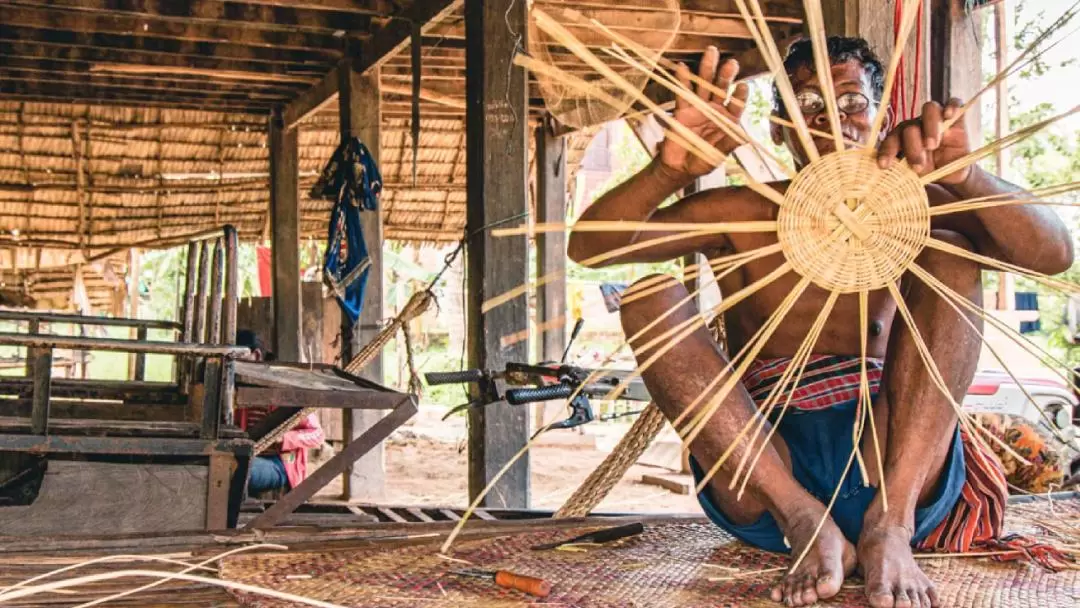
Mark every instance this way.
x=1006 y=296
x=285 y=239
x=496 y=119
x=551 y=249
x=134 y=270
x=360 y=116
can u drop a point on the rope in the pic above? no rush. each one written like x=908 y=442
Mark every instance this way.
x=626 y=452
x=603 y=479
x=416 y=306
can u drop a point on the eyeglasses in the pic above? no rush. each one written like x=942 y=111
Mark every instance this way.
x=812 y=103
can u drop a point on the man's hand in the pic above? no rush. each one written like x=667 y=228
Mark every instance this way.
x=926 y=145
x=677 y=159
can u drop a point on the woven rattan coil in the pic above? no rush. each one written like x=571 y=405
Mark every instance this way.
x=849 y=226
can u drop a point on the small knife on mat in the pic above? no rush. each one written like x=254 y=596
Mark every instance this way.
x=600 y=536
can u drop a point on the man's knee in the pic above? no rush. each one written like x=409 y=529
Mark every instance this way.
x=648 y=298
x=954 y=270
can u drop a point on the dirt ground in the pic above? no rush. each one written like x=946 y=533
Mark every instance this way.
x=426 y=471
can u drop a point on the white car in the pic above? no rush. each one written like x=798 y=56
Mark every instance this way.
x=995 y=392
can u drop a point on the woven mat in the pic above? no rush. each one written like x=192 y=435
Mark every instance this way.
x=684 y=564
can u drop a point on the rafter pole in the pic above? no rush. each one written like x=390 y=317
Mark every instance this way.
x=386 y=42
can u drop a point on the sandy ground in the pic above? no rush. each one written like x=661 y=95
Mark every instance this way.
x=427 y=471
x=426 y=464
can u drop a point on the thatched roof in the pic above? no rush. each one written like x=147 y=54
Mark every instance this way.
x=128 y=124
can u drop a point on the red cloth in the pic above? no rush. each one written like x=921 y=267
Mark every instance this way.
x=266 y=281
x=294 y=445
x=828 y=380
x=979 y=515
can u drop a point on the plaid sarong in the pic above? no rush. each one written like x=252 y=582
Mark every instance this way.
x=828 y=380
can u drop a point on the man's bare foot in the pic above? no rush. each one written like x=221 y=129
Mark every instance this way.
x=825 y=566
x=893 y=579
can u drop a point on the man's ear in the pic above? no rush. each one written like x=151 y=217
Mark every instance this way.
x=777 y=133
x=888 y=123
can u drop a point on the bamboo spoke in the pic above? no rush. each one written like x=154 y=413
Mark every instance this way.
x=868 y=406
x=1045 y=281
x=1020 y=61
x=505 y=297
x=938 y=380
x=994 y=146
x=763 y=38
x=726 y=265
x=919 y=272
x=802 y=357
x=759 y=339
x=685 y=328
x=815 y=22
x=907 y=21
x=669 y=65
x=697 y=424
x=730 y=128
x=646 y=226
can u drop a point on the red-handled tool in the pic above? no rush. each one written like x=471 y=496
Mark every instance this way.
x=519 y=582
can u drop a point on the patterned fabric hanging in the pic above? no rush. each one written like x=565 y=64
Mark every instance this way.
x=352 y=180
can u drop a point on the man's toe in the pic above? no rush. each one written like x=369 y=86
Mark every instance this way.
x=903 y=600
x=881 y=597
x=808 y=595
x=828 y=584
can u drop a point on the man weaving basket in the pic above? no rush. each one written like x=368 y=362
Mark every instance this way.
x=943 y=491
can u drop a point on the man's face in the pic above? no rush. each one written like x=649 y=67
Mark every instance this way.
x=849 y=76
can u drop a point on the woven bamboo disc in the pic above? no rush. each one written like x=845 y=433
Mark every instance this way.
x=849 y=226
x=653 y=24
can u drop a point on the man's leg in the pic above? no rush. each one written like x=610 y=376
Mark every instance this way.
x=675 y=381
x=267 y=473
x=917 y=425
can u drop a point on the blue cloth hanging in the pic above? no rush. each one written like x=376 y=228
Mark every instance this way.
x=352 y=180
x=1027 y=300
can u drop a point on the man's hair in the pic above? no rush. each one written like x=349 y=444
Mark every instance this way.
x=248 y=338
x=841 y=50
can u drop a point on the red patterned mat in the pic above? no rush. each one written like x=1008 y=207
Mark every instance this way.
x=676 y=563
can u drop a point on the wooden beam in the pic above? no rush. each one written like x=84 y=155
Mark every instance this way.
x=311 y=101
x=280 y=18
x=496 y=161
x=551 y=187
x=384 y=43
x=426 y=93
x=89 y=94
x=363 y=7
x=247 y=90
x=130 y=24
x=285 y=239
x=154 y=60
x=359 y=112
x=170 y=46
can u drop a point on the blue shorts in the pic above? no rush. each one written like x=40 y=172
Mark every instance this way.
x=820 y=442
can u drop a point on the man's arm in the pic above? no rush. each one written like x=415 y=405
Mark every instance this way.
x=638 y=199
x=1031 y=236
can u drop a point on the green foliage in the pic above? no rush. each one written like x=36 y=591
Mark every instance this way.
x=1047 y=158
